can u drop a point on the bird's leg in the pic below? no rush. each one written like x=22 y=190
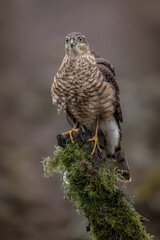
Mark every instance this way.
x=74 y=129
x=95 y=139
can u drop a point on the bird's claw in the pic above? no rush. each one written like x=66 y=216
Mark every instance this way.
x=70 y=133
x=95 y=139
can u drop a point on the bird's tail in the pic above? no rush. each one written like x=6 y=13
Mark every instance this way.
x=121 y=164
x=117 y=160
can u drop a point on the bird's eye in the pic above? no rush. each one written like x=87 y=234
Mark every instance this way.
x=67 y=40
x=80 y=39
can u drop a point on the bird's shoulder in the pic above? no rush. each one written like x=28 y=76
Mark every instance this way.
x=107 y=70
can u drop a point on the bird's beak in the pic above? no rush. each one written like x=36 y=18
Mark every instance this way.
x=72 y=43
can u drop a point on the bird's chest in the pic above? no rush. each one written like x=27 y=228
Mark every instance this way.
x=80 y=87
x=81 y=84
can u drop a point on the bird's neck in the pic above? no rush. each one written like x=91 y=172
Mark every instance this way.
x=87 y=57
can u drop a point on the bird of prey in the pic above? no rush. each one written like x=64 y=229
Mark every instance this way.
x=85 y=87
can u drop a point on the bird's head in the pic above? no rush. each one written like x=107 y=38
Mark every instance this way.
x=76 y=44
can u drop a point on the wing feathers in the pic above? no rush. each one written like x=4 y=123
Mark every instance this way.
x=108 y=71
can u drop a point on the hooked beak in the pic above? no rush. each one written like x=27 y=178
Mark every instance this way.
x=72 y=43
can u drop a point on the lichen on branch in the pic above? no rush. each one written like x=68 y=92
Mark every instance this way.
x=92 y=187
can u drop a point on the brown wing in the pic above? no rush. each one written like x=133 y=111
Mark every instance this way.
x=108 y=71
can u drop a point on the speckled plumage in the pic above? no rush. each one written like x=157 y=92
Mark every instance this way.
x=86 y=89
x=80 y=87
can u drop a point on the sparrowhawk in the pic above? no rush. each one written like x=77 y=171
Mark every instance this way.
x=86 y=89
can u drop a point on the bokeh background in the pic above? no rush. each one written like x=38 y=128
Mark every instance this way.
x=32 y=34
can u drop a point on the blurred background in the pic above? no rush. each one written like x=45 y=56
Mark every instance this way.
x=32 y=35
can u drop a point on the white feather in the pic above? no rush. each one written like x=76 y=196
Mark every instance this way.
x=112 y=133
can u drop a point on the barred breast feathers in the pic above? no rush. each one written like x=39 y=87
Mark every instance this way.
x=80 y=77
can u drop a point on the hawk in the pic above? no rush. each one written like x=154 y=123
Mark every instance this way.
x=85 y=87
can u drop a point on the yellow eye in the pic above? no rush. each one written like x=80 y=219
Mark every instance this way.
x=67 y=40
x=80 y=39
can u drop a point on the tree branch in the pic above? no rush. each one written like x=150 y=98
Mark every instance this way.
x=94 y=188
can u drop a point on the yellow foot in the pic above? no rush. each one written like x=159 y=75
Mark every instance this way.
x=70 y=133
x=95 y=139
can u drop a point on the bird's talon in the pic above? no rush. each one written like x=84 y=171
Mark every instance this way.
x=70 y=133
x=95 y=139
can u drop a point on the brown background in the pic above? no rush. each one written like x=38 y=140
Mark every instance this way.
x=32 y=34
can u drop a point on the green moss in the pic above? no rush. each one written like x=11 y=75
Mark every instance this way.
x=92 y=187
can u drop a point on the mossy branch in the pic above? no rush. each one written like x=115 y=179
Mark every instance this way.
x=91 y=186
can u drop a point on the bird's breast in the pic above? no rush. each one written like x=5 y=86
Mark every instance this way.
x=80 y=87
